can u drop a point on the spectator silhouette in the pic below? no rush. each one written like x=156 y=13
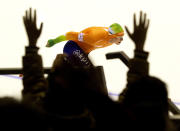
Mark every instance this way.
x=75 y=96
x=53 y=94
x=138 y=66
x=35 y=85
x=145 y=96
x=18 y=116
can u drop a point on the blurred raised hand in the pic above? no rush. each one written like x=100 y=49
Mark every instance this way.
x=140 y=31
x=31 y=27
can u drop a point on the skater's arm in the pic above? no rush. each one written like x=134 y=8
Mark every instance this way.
x=68 y=36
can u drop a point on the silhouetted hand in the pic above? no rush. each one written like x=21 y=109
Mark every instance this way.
x=31 y=27
x=139 y=34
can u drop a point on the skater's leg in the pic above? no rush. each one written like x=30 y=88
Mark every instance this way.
x=75 y=55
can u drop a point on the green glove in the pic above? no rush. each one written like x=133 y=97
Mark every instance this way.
x=52 y=42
